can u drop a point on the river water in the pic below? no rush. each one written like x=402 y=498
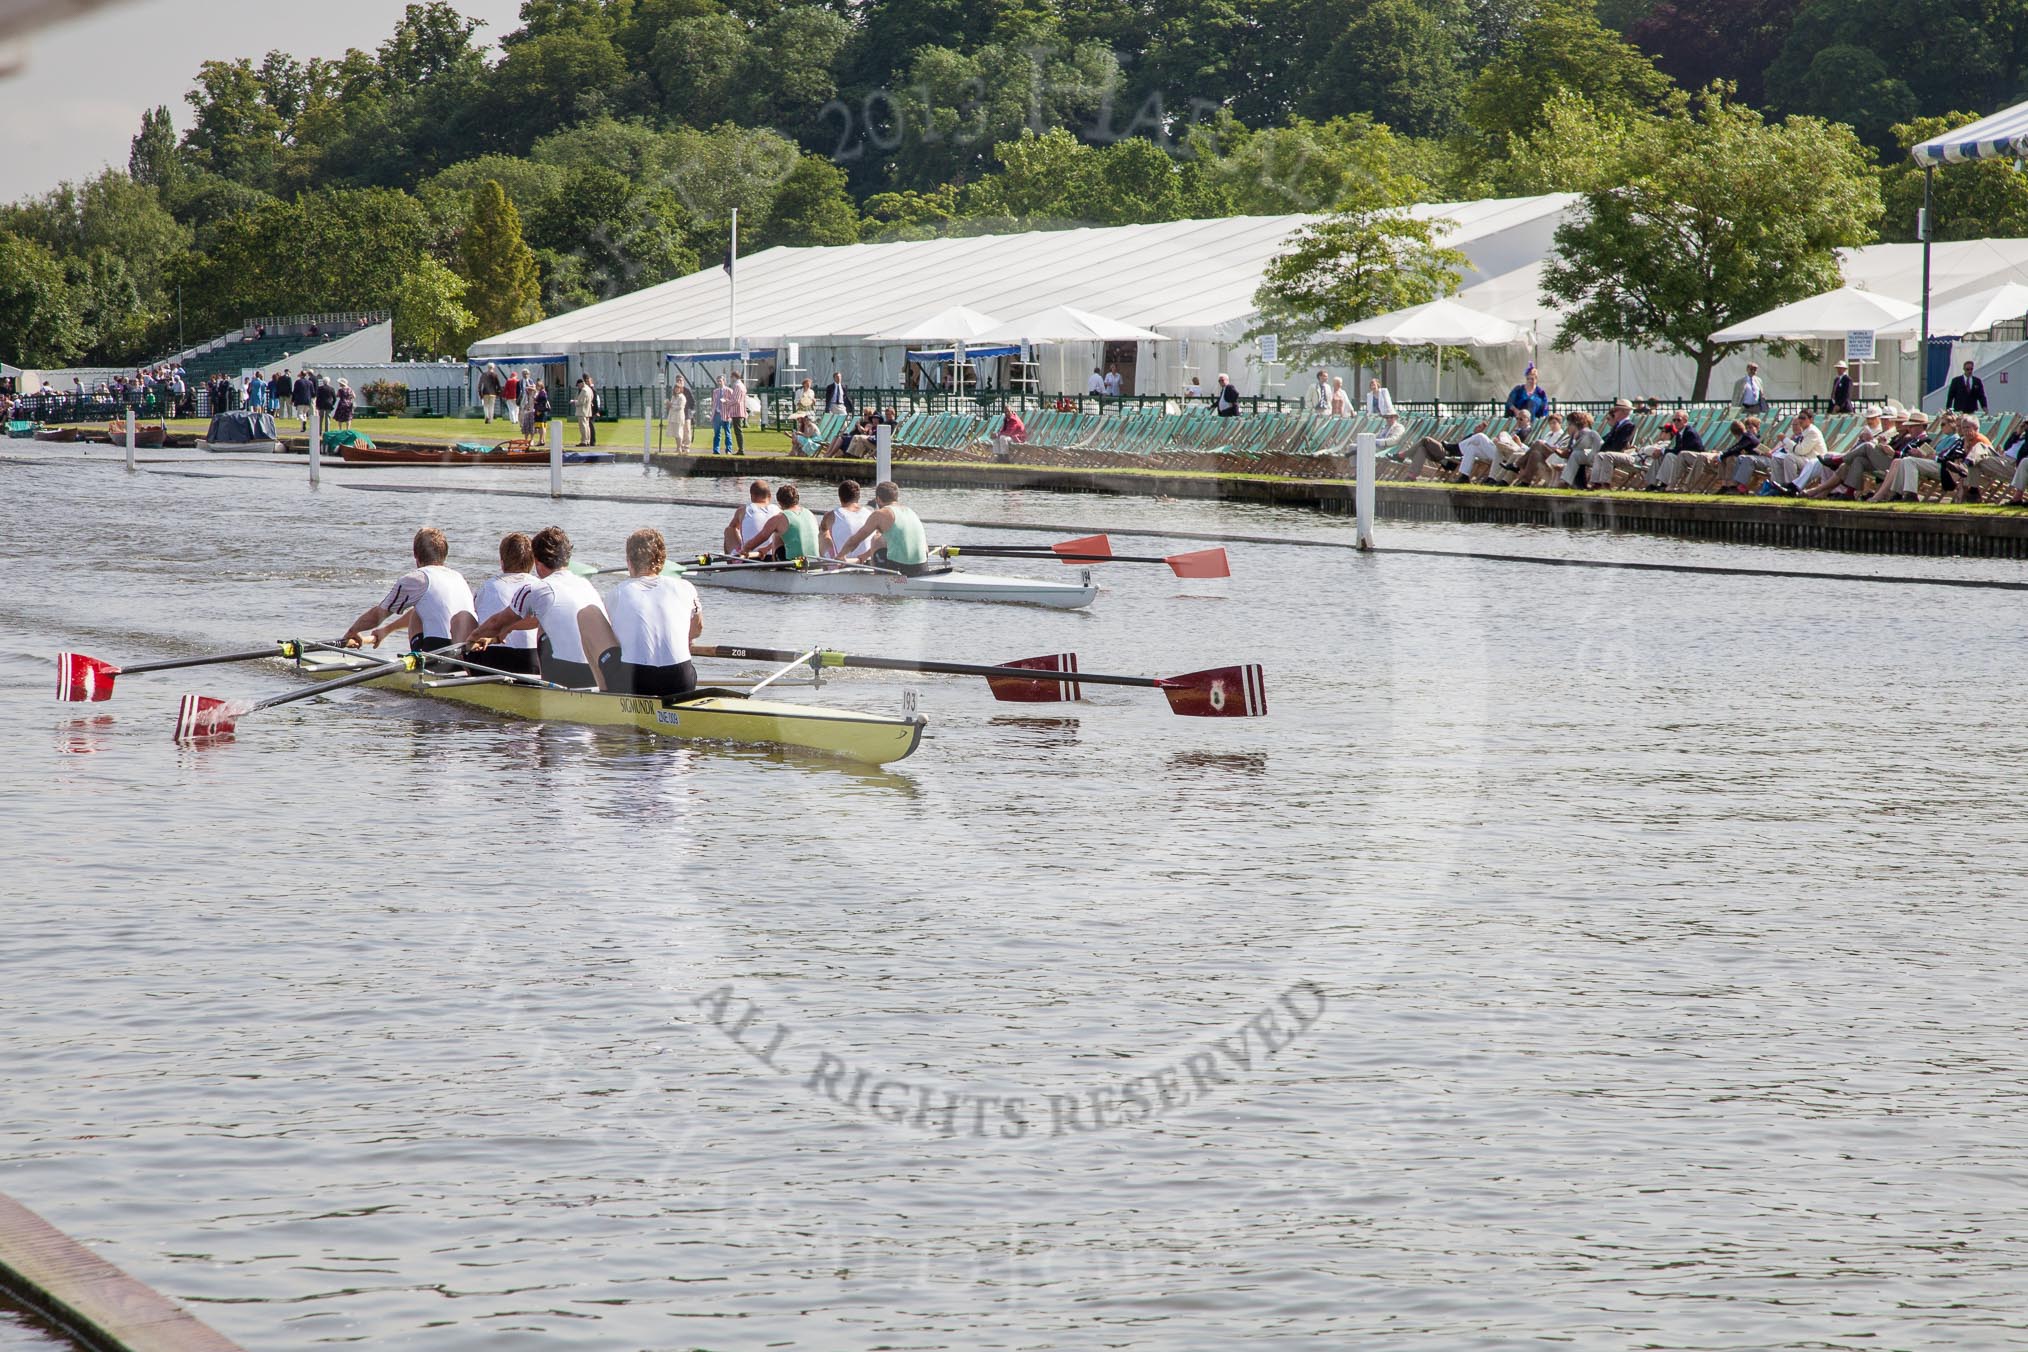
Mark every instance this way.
x=1570 y=957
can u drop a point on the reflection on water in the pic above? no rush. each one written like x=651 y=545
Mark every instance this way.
x=1669 y=931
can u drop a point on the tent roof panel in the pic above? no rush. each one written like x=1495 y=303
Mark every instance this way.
x=1172 y=275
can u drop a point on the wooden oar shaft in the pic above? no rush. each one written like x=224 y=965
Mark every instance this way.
x=1022 y=552
x=827 y=658
x=252 y=654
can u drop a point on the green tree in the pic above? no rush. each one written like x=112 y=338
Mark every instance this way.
x=1930 y=56
x=1978 y=199
x=1719 y=215
x=1351 y=266
x=1574 y=147
x=38 y=326
x=235 y=133
x=548 y=82
x=1852 y=85
x=1407 y=55
x=152 y=156
x=911 y=215
x=959 y=106
x=701 y=68
x=812 y=207
x=1304 y=167
x=529 y=185
x=504 y=291
x=1564 y=49
x=429 y=312
x=619 y=238
x=712 y=172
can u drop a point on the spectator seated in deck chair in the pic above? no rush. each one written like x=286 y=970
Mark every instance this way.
x=1542 y=459
x=803 y=438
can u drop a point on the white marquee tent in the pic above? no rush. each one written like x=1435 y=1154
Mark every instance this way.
x=1191 y=281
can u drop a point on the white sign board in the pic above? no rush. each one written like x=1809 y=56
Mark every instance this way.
x=795 y=351
x=1270 y=348
x=1859 y=345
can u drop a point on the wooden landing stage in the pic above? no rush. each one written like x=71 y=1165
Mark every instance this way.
x=99 y=1306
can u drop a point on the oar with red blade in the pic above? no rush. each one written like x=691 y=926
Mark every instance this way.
x=1098 y=549
x=1221 y=692
x=200 y=716
x=80 y=678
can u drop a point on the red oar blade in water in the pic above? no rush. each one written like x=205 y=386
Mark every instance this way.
x=1040 y=691
x=1090 y=549
x=1097 y=549
x=1201 y=563
x=1222 y=692
x=200 y=716
x=80 y=678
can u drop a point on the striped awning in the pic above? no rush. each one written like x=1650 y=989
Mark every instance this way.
x=2004 y=135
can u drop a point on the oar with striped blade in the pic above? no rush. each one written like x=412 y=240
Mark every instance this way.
x=1098 y=549
x=80 y=678
x=1221 y=692
x=201 y=716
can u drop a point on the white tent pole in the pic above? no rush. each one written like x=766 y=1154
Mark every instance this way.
x=1440 y=380
x=732 y=290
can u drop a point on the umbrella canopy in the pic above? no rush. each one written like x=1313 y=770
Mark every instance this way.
x=1967 y=314
x=1439 y=323
x=1068 y=324
x=958 y=324
x=2004 y=135
x=1830 y=315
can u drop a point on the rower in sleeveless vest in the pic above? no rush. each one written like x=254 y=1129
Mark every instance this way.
x=433 y=602
x=641 y=644
x=790 y=533
x=515 y=652
x=841 y=521
x=902 y=547
x=748 y=520
x=556 y=605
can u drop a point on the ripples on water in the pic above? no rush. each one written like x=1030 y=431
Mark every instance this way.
x=1668 y=930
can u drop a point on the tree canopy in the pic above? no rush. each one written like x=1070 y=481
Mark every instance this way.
x=622 y=134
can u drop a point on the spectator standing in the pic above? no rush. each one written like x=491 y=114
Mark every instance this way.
x=512 y=393
x=491 y=387
x=344 y=406
x=581 y=408
x=598 y=409
x=1228 y=397
x=1340 y=405
x=302 y=394
x=1113 y=382
x=1379 y=402
x=1967 y=393
x=1841 y=389
x=837 y=399
x=1528 y=395
x=279 y=386
x=1194 y=390
x=1320 y=397
x=538 y=408
x=736 y=411
x=326 y=399
x=721 y=403
x=1751 y=393
x=676 y=414
x=806 y=397
x=1097 y=383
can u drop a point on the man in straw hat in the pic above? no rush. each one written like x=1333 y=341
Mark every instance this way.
x=1841 y=389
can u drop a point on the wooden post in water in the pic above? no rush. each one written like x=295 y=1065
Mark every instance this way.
x=1362 y=491
x=130 y=437
x=316 y=444
x=883 y=453
x=556 y=457
x=647 y=438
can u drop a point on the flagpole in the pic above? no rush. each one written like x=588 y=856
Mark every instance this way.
x=732 y=301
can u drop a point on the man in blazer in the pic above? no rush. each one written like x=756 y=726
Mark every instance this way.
x=1841 y=390
x=837 y=399
x=1751 y=391
x=1967 y=393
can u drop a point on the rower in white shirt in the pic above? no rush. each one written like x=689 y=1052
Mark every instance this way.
x=555 y=605
x=842 y=522
x=436 y=601
x=640 y=644
x=747 y=520
x=515 y=652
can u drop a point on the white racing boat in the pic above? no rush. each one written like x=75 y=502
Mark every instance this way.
x=855 y=580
